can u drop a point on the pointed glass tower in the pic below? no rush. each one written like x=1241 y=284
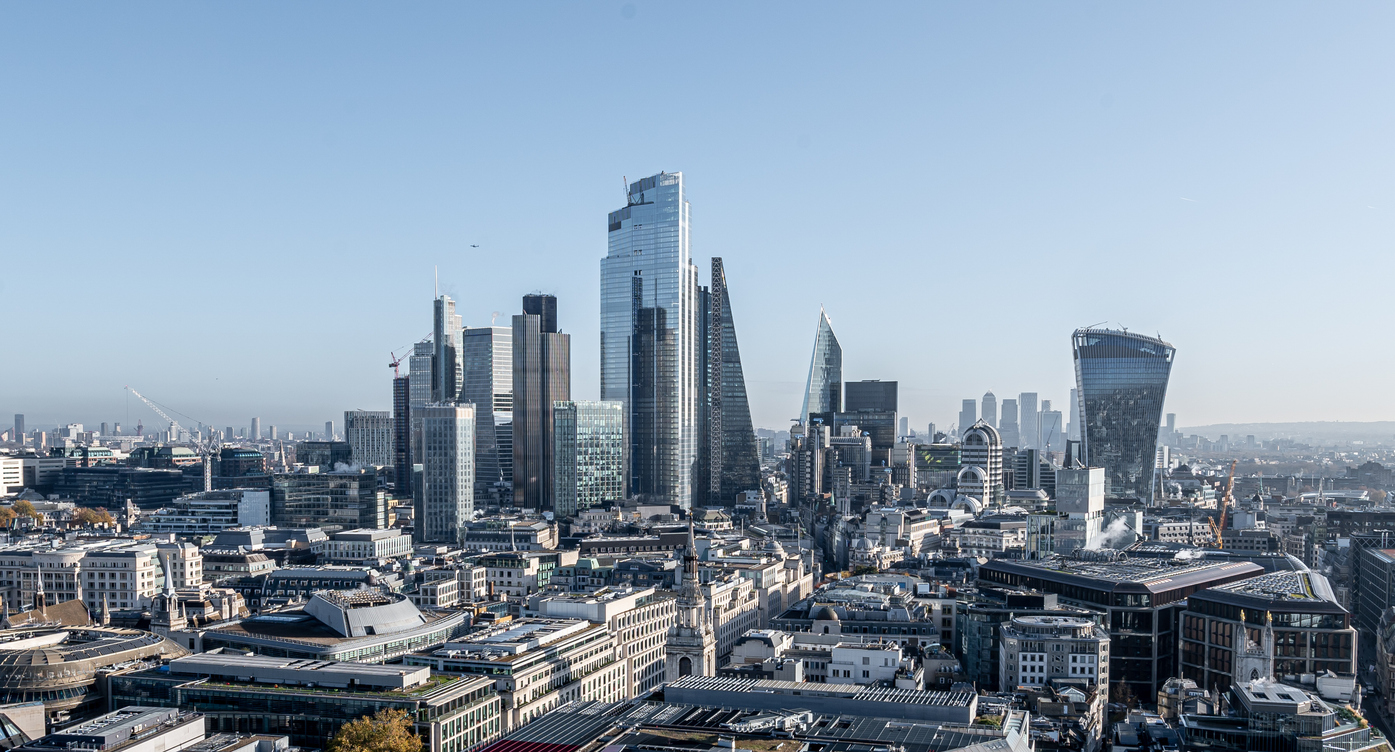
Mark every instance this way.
x=823 y=394
x=731 y=439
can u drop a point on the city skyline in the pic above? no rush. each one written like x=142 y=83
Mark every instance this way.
x=1167 y=167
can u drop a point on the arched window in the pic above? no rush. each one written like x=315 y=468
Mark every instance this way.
x=685 y=666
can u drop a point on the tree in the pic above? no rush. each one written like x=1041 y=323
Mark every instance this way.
x=384 y=731
x=7 y=515
x=25 y=508
x=90 y=516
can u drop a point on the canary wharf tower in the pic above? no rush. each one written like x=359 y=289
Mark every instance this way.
x=1121 y=381
x=651 y=348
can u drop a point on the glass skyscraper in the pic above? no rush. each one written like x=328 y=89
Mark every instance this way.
x=447 y=473
x=732 y=463
x=446 y=358
x=542 y=376
x=1121 y=381
x=487 y=383
x=651 y=345
x=589 y=454
x=823 y=394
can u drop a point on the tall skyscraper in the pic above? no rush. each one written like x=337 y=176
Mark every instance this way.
x=256 y=429
x=402 y=435
x=421 y=384
x=824 y=391
x=1049 y=428
x=981 y=464
x=589 y=455
x=1007 y=424
x=1073 y=416
x=446 y=498
x=905 y=427
x=1122 y=378
x=990 y=409
x=542 y=375
x=968 y=415
x=651 y=344
x=729 y=451
x=329 y=430
x=1027 y=423
x=487 y=383
x=874 y=396
x=19 y=428
x=369 y=433
x=445 y=363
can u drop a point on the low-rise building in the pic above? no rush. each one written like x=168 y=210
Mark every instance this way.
x=310 y=700
x=366 y=546
x=639 y=619
x=1036 y=650
x=131 y=729
x=210 y=512
x=536 y=665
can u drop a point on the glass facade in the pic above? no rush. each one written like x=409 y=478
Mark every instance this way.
x=487 y=383
x=447 y=472
x=542 y=375
x=589 y=455
x=731 y=438
x=650 y=336
x=1121 y=381
x=446 y=359
x=825 y=387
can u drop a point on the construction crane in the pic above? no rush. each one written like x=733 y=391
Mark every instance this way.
x=1225 y=501
x=396 y=361
x=203 y=446
x=174 y=424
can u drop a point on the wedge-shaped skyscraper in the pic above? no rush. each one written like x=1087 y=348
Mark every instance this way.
x=729 y=452
x=823 y=395
x=1121 y=382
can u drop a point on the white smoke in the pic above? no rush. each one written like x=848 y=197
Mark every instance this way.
x=1117 y=535
x=1188 y=554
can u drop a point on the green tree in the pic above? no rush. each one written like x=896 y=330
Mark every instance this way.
x=90 y=516
x=24 y=508
x=384 y=731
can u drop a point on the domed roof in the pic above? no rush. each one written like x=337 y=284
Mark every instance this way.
x=773 y=546
x=825 y=613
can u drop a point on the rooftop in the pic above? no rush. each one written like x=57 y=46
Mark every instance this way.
x=1154 y=575
x=1308 y=589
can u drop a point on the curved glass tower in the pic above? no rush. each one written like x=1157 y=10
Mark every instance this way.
x=825 y=388
x=1121 y=381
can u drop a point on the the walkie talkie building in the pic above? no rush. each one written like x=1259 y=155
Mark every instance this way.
x=1121 y=382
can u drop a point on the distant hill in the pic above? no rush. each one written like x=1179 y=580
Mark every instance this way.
x=1324 y=431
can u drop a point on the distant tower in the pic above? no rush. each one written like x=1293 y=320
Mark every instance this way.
x=402 y=435
x=445 y=358
x=256 y=429
x=1007 y=424
x=542 y=375
x=824 y=392
x=981 y=464
x=1027 y=422
x=19 y=428
x=990 y=409
x=968 y=415
x=329 y=430
x=692 y=646
x=1122 y=377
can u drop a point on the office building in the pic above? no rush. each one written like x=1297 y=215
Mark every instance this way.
x=1007 y=424
x=341 y=499
x=445 y=355
x=447 y=498
x=639 y=619
x=256 y=429
x=1141 y=600
x=369 y=435
x=875 y=396
x=329 y=430
x=209 y=512
x=1122 y=380
x=824 y=390
x=487 y=373
x=421 y=383
x=402 y=435
x=1271 y=626
x=651 y=344
x=365 y=546
x=324 y=454
x=729 y=461
x=252 y=694
x=981 y=622
x=968 y=415
x=537 y=665
x=1034 y=650
x=1073 y=416
x=140 y=729
x=981 y=464
x=905 y=431
x=19 y=428
x=111 y=486
x=1029 y=435
x=589 y=453
x=990 y=409
x=542 y=377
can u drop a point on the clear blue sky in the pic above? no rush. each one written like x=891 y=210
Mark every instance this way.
x=236 y=207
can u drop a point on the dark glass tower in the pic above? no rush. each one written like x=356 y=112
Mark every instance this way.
x=542 y=375
x=729 y=441
x=1121 y=380
x=402 y=435
x=653 y=450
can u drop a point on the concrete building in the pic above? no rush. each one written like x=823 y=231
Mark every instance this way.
x=690 y=647
x=981 y=447
x=210 y=512
x=536 y=665
x=369 y=435
x=894 y=607
x=640 y=620
x=1035 y=650
x=239 y=693
x=447 y=497
x=366 y=546
x=131 y=729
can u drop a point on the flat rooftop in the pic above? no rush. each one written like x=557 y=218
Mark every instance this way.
x=1309 y=590
x=1155 y=575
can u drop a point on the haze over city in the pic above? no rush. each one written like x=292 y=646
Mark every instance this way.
x=238 y=210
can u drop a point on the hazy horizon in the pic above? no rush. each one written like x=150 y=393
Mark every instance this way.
x=238 y=212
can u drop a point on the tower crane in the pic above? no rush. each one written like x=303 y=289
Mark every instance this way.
x=394 y=363
x=1225 y=502
x=174 y=424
